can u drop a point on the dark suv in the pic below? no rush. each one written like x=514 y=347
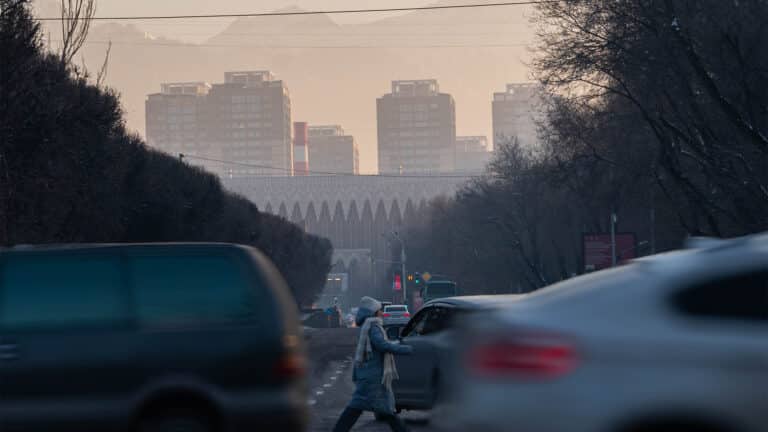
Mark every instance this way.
x=148 y=337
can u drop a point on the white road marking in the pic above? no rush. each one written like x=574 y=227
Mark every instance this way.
x=326 y=385
x=333 y=378
x=319 y=392
x=311 y=401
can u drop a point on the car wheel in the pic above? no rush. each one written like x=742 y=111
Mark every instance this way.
x=379 y=417
x=176 y=422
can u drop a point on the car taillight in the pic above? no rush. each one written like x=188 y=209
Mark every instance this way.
x=523 y=356
x=386 y=314
x=407 y=315
x=290 y=365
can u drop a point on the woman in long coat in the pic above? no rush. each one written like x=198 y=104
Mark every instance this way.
x=374 y=370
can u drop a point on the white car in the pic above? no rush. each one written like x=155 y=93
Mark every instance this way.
x=396 y=315
x=673 y=342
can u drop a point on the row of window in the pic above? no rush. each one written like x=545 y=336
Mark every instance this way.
x=418 y=107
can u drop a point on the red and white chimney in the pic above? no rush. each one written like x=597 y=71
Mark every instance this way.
x=300 y=151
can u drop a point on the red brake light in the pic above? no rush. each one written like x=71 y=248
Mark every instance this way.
x=523 y=356
x=407 y=315
x=385 y=314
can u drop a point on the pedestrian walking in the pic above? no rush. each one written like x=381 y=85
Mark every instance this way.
x=374 y=370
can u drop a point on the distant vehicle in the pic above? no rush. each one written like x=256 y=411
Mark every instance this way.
x=431 y=332
x=396 y=315
x=148 y=337
x=677 y=341
x=436 y=289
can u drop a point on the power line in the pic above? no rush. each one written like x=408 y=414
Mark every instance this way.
x=329 y=173
x=205 y=45
x=297 y=13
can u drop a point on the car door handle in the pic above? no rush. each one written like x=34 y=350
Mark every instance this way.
x=9 y=351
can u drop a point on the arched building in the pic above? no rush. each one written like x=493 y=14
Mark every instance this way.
x=356 y=212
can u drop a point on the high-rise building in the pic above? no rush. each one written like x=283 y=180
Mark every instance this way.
x=246 y=119
x=416 y=129
x=173 y=118
x=300 y=153
x=516 y=113
x=472 y=154
x=249 y=119
x=332 y=151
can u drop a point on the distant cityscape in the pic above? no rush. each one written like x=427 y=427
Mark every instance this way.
x=244 y=126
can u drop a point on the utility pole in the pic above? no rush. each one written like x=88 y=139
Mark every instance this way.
x=613 y=238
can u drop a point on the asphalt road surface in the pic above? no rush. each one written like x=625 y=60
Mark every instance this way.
x=330 y=352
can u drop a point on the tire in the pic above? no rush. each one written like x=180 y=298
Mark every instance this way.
x=379 y=417
x=176 y=422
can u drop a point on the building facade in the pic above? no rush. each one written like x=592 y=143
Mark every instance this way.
x=246 y=119
x=516 y=113
x=332 y=151
x=416 y=129
x=300 y=151
x=472 y=154
x=356 y=212
x=173 y=119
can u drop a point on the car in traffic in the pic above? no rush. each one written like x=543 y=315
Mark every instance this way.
x=424 y=378
x=672 y=342
x=148 y=337
x=395 y=315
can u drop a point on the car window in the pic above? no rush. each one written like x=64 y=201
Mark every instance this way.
x=740 y=297
x=193 y=289
x=56 y=291
x=395 y=309
x=439 y=319
x=416 y=326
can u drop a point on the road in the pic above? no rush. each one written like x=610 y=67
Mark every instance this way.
x=330 y=352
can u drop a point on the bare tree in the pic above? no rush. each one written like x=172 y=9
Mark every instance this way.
x=76 y=17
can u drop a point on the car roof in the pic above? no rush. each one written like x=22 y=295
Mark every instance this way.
x=108 y=246
x=475 y=301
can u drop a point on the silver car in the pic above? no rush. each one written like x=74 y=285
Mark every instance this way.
x=396 y=315
x=432 y=334
x=677 y=341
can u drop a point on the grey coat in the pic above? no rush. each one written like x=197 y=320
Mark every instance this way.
x=370 y=393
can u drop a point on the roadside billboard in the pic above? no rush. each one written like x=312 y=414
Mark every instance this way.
x=596 y=250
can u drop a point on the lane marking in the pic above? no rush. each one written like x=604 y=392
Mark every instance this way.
x=319 y=392
x=326 y=385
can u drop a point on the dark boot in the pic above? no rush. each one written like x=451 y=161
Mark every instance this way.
x=347 y=419
x=395 y=423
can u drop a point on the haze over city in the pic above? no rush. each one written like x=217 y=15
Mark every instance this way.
x=336 y=66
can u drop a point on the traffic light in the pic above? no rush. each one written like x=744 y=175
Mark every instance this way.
x=417 y=279
x=410 y=277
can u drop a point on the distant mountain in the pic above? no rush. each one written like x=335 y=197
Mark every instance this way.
x=334 y=72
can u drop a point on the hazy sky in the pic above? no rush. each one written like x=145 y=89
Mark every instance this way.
x=328 y=86
x=199 y=30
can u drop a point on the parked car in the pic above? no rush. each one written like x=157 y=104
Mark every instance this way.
x=677 y=341
x=396 y=315
x=431 y=333
x=148 y=337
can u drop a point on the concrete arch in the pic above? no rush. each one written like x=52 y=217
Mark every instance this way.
x=310 y=219
x=339 y=230
x=296 y=216
x=283 y=212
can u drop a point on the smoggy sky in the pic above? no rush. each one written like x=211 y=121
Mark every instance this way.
x=328 y=85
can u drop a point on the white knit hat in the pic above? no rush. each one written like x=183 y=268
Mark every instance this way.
x=370 y=303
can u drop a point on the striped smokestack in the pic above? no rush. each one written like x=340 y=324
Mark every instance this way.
x=300 y=153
